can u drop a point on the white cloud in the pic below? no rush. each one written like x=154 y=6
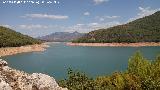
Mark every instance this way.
x=6 y=25
x=86 y=14
x=111 y=17
x=103 y=18
x=36 y=27
x=144 y=12
x=31 y=27
x=100 y=1
x=36 y=30
x=45 y=16
x=91 y=26
x=106 y=25
x=80 y=24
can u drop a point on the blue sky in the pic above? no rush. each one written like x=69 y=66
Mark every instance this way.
x=72 y=15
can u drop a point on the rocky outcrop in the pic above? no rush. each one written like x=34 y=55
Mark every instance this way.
x=11 y=79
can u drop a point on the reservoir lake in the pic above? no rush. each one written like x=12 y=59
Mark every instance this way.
x=93 y=61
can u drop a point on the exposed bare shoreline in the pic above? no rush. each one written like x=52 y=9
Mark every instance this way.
x=23 y=49
x=142 y=44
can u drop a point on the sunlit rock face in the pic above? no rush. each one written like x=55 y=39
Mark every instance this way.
x=11 y=79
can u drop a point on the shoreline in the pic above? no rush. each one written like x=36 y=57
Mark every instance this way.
x=141 y=44
x=7 y=51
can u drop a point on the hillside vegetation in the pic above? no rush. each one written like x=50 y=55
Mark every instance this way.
x=145 y=29
x=10 y=38
x=141 y=74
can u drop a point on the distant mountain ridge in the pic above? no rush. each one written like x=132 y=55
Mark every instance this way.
x=61 y=36
x=146 y=29
x=11 y=38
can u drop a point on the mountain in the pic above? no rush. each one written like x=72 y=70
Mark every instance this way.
x=11 y=38
x=61 y=36
x=146 y=29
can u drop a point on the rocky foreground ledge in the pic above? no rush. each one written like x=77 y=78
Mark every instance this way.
x=11 y=79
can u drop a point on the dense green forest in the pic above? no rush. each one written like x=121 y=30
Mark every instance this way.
x=146 y=29
x=141 y=74
x=10 y=38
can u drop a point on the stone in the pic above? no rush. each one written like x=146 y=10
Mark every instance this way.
x=3 y=63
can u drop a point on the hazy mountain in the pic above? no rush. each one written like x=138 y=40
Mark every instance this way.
x=62 y=36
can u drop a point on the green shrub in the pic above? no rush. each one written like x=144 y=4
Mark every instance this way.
x=77 y=81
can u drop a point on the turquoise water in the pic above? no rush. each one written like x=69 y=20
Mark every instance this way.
x=93 y=60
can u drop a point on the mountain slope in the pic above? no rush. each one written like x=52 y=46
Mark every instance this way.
x=10 y=38
x=145 y=29
x=61 y=36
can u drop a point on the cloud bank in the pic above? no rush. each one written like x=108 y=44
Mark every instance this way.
x=45 y=16
x=103 y=18
x=86 y=14
x=144 y=12
x=99 y=1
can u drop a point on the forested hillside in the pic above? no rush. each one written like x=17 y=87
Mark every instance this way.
x=10 y=38
x=145 y=29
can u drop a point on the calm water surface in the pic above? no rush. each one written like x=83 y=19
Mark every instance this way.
x=93 y=60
